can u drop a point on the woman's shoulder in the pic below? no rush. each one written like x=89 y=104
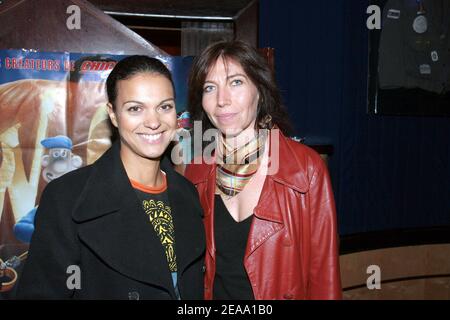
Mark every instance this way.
x=182 y=179
x=71 y=181
x=198 y=169
x=297 y=166
x=303 y=153
x=58 y=199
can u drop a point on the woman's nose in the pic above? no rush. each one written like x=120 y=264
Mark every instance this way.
x=223 y=97
x=152 y=120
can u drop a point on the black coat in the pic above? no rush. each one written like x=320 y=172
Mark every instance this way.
x=91 y=218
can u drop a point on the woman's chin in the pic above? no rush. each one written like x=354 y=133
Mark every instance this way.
x=230 y=132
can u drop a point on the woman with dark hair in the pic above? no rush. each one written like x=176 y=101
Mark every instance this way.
x=127 y=226
x=270 y=217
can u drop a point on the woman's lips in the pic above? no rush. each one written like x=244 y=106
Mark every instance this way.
x=226 y=118
x=151 y=138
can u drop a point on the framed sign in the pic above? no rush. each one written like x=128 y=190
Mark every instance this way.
x=409 y=59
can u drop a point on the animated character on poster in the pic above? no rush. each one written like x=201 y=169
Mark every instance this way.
x=59 y=161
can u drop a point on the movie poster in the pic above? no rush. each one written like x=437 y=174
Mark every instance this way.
x=53 y=120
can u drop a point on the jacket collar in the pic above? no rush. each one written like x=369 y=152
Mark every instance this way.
x=292 y=176
x=281 y=148
x=110 y=223
x=108 y=174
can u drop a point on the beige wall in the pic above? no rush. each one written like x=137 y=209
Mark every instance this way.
x=428 y=264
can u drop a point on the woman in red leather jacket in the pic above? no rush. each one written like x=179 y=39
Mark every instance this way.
x=270 y=216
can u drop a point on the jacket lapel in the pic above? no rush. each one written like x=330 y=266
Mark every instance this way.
x=208 y=198
x=113 y=224
x=203 y=176
x=268 y=218
x=268 y=212
x=189 y=231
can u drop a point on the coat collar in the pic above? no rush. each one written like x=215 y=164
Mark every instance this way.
x=292 y=175
x=111 y=224
x=271 y=208
x=108 y=177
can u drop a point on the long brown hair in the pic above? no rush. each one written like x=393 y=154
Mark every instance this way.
x=256 y=68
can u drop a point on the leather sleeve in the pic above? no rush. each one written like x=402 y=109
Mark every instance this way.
x=324 y=277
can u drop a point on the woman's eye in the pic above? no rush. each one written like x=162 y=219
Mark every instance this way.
x=134 y=109
x=166 y=107
x=208 y=88
x=236 y=82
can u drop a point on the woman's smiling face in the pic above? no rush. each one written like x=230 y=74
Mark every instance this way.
x=145 y=115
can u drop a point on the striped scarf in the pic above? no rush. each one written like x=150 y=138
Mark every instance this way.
x=238 y=165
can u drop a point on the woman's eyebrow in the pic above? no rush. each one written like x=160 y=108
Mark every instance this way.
x=166 y=100
x=132 y=101
x=236 y=75
x=229 y=77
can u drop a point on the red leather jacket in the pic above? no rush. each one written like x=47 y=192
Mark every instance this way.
x=292 y=248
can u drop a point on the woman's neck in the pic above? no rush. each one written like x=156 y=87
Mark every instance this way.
x=239 y=140
x=142 y=170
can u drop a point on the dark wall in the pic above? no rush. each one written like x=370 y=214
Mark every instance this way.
x=388 y=172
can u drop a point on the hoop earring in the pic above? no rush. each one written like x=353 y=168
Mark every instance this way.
x=266 y=122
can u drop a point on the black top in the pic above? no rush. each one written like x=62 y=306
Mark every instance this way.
x=231 y=280
x=157 y=207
